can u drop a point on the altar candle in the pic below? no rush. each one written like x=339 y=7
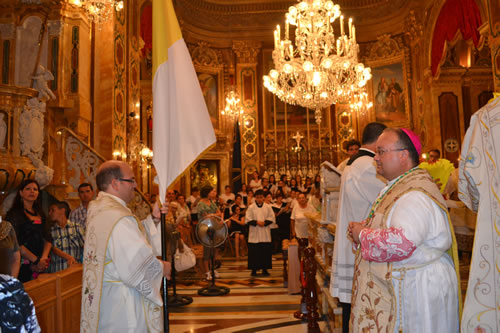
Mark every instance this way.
x=341 y=24
x=279 y=31
x=354 y=34
x=286 y=30
x=338 y=47
x=350 y=27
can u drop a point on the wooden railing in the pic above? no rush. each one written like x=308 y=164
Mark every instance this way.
x=57 y=299
x=81 y=162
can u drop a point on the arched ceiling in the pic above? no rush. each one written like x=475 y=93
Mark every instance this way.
x=256 y=19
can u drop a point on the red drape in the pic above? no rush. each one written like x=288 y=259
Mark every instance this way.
x=455 y=15
x=147 y=29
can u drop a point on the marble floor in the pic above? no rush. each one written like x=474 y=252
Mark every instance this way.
x=254 y=304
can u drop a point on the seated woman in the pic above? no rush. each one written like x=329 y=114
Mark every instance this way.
x=184 y=219
x=32 y=232
x=237 y=229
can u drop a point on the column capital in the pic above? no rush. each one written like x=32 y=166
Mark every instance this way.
x=246 y=51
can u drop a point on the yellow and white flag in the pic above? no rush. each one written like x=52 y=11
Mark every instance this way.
x=182 y=128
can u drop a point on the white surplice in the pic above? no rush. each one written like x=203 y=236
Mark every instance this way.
x=121 y=304
x=359 y=188
x=479 y=189
x=117 y=250
x=430 y=294
x=258 y=234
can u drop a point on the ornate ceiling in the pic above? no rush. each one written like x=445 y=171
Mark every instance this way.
x=257 y=18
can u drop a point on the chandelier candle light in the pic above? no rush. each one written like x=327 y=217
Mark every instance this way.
x=99 y=11
x=321 y=69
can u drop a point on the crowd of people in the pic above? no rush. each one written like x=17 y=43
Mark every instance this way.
x=242 y=209
x=390 y=248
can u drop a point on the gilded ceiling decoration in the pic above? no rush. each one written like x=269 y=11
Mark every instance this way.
x=229 y=15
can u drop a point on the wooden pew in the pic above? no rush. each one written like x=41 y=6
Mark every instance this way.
x=57 y=299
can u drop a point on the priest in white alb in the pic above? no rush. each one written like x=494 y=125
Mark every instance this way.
x=479 y=189
x=121 y=275
x=359 y=187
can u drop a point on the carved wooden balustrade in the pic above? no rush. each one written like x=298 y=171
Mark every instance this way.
x=80 y=163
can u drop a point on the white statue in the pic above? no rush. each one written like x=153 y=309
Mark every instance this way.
x=3 y=130
x=41 y=78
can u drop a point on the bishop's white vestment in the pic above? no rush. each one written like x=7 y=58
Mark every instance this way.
x=121 y=275
x=479 y=189
x=359 y=187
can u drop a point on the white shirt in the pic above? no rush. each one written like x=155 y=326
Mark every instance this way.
x=301 y=221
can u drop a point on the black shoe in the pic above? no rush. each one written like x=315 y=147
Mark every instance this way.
x=254 y=273
x=265 y=273
x=217 y=264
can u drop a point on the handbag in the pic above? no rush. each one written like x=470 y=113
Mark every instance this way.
x=184 y=260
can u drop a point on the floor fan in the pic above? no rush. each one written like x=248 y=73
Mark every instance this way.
x=211 y=232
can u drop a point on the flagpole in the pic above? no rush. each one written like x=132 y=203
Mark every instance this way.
x=166 y=323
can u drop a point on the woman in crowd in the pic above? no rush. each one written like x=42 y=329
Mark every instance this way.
x=237 y=229
x=256 y=183
x=206 y=206
x=184 y=218
x=282 y=212
x=299 y=220
x=308 y=185
x=272 y=180
x=293 y=184
x=243 y=193
x=226 y=199
x=238 y=201
x=32 y=232
x=300 y=186
x=250 y=198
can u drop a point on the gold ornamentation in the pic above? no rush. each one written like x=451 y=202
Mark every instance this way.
x=246 y=51
x=204 y=55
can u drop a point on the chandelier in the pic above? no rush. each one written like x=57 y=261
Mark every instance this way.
x=99 y=11
x=233 y=107
x=359 y=102
x=321 y=68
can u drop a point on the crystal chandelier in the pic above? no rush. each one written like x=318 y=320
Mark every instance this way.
x=233 y=107
x=359 y=102
x=322 y=68
x=99 y=11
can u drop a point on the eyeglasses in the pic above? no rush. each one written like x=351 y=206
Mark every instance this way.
x=381 y=152
x=131 y=180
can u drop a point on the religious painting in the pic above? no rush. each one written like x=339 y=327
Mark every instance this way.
x=209 y=88
x=205 y=173
x=389 y=92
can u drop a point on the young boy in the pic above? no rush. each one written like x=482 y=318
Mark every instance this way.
x=260 y=218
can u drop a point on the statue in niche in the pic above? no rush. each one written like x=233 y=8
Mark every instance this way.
x=31 y=125
x=41 y=78
x=3 y=130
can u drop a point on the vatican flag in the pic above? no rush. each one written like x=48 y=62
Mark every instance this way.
x=182 y=129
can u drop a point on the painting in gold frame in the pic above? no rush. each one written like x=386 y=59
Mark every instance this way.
x=205 y=173
x=388 y=89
